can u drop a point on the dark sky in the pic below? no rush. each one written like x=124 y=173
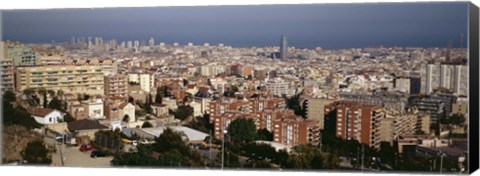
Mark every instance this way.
x=324 y=25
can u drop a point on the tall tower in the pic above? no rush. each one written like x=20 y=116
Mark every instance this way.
x=151 y=42
x=283 y=47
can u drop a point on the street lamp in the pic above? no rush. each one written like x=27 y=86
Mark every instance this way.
x=441 y=161
x=223 y=146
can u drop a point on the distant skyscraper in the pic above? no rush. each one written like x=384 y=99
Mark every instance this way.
x=151 y=42
x=283 y=47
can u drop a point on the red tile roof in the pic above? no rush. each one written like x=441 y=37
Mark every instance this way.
x=42 y=112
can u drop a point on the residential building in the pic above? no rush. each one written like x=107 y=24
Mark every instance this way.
x=95 y=108
x=160 y=110
x=278 y=88
x=440 y=75
x=116 y=85
x=81 y=78
x=7 y=74
x=145 y=80
x=315 y=109
x=46 y=116
x=432 y=106
x=356 y=121
x=293 y=131
x=85 y=128
x=21 y=55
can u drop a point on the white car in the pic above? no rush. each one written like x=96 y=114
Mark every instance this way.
x=134 y=143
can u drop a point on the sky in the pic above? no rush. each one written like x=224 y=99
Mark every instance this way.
x=330 y=26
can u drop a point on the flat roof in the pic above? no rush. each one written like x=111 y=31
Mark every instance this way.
x=193 y=135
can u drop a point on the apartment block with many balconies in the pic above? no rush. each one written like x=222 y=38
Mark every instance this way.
x=75 y=79
x=116 y=85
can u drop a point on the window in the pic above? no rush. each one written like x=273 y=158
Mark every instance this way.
x=50 y=119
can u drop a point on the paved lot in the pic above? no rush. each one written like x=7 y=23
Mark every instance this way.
x=73 y=157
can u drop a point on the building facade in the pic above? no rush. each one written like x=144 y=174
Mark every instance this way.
x=86 y=79
x=116 y=85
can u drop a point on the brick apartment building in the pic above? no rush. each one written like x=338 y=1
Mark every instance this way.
x=267 y=113
x=357 y=121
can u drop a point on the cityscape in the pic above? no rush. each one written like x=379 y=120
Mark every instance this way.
x=95 y=101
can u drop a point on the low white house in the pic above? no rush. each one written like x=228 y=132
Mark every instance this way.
x=127 y=109
x=95 y=108
x=46 y=116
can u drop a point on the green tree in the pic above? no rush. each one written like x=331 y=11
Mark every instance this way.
x=9 y=96
x=51 y=92
x=242 y=130
x=140 y=112
x=183 y=112
x=147 y=125
x=311 y=157
x=18 y=116
x=264 y=134
x=60 y=92
x=45 y=101
x=36 y=153
x=69 y=117
x=126 y=118
x=29 y=91
x=158 y=96
x=457 y=119
x=258 y=164
x=55 y=103
x=108 y=140
x=231 y=160
x=294 y=104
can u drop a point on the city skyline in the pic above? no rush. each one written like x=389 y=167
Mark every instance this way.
x=307 y=26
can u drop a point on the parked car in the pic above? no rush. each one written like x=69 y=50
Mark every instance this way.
x=86 y=147
x=98 y=153
x=134 y=143
x=59 y=138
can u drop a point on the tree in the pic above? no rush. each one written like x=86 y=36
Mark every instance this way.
x=311 y=157
x=264 y=135
x=18 y=116
x=28 y=91
x=140 y=112
x=126 y=118
x=55 y=103
x=158 y=96
x=183 y=112
x=36 y=153
x=147 y=125
x=148 y=103
x=69 y=117
x=51 y=92
x=131 y=100
x=108 y=140
x=293 y=103
x=164 y=91
x=45 y=101
x=457 y=119
x=59 y=92
x=259 y=164
x=242 y=130
x=9 y=96
x=231 y=160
